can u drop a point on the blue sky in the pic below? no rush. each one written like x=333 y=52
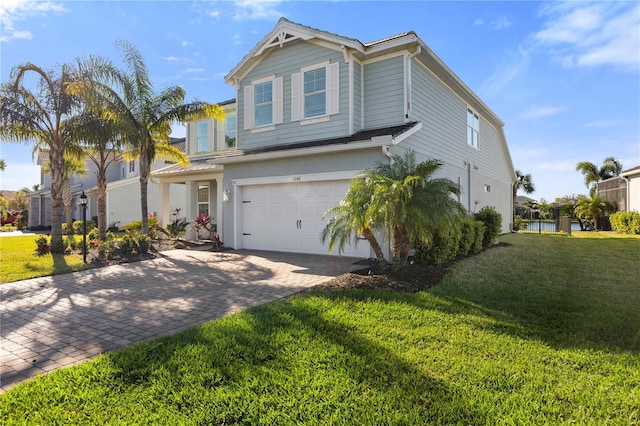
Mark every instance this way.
x=563 y=76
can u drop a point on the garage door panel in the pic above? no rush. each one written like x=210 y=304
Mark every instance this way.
x=288 y=217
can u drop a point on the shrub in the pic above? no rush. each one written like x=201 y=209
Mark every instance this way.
x=65 y=229
x=136 y=226
x=144 y=243
x=517 y=222
x=107 y=248
x=493 y=224
x=441 y=248
x=626 y=222
x=93 y=234
x=70 y=243
x=42 y=245
x=478 y=229
x=22 y=220
x=467 y=236
x=77 y=226
x=176 y=226
x=129 y=244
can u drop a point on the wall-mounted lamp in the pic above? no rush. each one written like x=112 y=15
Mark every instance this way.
x=226 y=195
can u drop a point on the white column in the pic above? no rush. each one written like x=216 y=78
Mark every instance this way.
x=219 y=195
x=165 y=212
x=190 y=207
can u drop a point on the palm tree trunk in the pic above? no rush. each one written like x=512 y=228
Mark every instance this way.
x=373 y=242
x=57 y=175
x=401 y=247
x=102 y=202
x=66 y=201
x=144 y=182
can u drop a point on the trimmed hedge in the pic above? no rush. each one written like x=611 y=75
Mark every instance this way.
x=626 y=222
x=466 y=237
x=492 y=220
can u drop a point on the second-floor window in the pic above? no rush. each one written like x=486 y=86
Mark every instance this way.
x=473 y=128
x=315 y=88
x=315 y=92
x=263 y=104
x=202 y=136
x=230 y=130
x=132 y=166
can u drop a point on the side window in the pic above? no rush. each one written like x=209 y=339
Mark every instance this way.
x=263 y=104
x=202 y=136
x=230 y=130
x=315 y=92
x=473 y=128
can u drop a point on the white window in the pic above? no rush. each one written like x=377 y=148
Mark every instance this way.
x=473 y=128
x=263 y=104
x=315 y=92
x=203 y=199
x=230 y=130
x=202 y=136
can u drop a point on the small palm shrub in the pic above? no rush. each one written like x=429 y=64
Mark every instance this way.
x=492 y=220
x=177 y=225
x=42 y=245
x=626 y=222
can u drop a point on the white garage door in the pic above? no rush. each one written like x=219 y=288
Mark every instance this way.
x=288 y=217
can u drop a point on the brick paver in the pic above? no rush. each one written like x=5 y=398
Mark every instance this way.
x=52 y=322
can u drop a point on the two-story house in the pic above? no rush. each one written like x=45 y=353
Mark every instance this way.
x=123 y=192
x=313 y=109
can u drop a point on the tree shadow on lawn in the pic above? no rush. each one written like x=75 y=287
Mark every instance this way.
x=288 y=358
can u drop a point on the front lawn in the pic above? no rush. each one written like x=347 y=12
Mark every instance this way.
x=19 y=261
x=544 y=330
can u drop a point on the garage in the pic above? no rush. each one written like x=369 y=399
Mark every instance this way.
x=288 y=216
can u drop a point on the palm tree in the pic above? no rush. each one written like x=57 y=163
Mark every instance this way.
x=3 y=165
x=592 y=174
x=39 y=116
x=143 y=116
x=523 y=182
x=404 y=199
x=349 y=220
x=593 y=208
x=73 y=166
x=99 y=142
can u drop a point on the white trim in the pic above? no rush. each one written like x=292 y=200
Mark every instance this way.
x=350 y=84
x=385 y=57
x=309 y=177
x=416 y=128
x=314 y=120
x=265 y=128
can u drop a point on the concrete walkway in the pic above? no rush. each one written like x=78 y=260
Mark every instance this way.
x=52 y=322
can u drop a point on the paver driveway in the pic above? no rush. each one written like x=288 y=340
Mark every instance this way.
x=51 y=322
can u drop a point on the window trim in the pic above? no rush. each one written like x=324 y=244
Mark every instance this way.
x=276 y=100
x=206 y=135
x=474 y=143
x=331 y=91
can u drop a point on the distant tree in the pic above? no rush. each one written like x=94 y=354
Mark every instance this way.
x=3 y=165
x=593 y=208
x=545 y=208
x=36 y=187
x=39 y=116
x=592 y=174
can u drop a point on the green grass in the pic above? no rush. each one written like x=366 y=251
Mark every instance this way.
x=19 y=261
x=543 y=331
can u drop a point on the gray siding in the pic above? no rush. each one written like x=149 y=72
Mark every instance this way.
x=384 y=93
x=282 y=62
x=345 y=161
x=443 y=137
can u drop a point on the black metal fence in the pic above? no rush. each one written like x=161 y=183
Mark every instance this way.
x=561 y=225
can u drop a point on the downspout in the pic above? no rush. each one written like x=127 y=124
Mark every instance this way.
x=387 y=153
x=408 y=76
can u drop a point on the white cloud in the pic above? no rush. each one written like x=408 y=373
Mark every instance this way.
x=251 y=10
x=214 y=13
x=593 y=34
x=170 y=58
x=478 y=22
x=193 y=70
x=558 y=166
x=185 y=43
x=500 y=23
x=507 y=70
x=540 y=112
x=14 y=11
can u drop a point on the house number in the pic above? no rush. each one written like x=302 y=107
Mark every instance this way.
x=297 y=179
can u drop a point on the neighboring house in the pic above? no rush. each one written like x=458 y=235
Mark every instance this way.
x=521 y=205
x=622 y=191
x=123 y=193
x=313 y=109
